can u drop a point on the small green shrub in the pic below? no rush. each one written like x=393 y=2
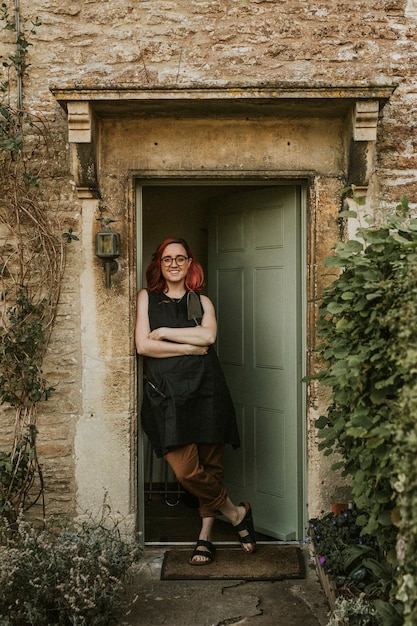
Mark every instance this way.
x=74 y=576
x=357 y=566
x=335 y=536
x=354 y=612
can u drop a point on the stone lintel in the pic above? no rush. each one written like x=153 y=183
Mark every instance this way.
x=280 y=100
x=86 y=105
x=133 y=92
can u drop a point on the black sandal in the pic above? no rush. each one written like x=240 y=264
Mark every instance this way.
x=246 y=525
x=208 y=554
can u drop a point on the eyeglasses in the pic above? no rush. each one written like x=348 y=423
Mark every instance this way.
x=179 y=260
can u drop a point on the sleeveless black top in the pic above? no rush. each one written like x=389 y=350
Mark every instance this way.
x=186 y=398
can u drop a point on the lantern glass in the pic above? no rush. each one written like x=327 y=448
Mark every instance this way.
x=107 y=244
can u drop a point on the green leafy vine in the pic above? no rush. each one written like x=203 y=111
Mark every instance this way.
x=17 y=62
x=367 y=324
x=32 y=262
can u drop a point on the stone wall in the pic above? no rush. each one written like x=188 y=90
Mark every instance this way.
x=258 y=42
x=182 y=43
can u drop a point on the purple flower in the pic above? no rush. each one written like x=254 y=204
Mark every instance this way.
x=322 y=560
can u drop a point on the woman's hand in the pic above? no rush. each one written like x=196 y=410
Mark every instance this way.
x=198 y=350
x=159 y=334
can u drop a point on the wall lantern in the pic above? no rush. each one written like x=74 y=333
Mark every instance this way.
x=108 y=248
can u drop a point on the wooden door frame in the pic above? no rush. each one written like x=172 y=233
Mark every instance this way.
x=190 y=179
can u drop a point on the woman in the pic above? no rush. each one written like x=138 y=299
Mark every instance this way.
x=187 y=411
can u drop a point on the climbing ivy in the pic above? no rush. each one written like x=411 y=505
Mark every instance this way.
x=403 y=320
x=367 y=324
x=32 y=262
x=17 y=62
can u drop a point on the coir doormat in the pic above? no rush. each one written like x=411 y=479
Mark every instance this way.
x=269 y=562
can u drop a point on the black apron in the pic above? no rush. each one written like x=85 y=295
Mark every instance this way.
x=186 y=398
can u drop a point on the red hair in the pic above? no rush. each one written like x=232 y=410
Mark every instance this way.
x=194 y=281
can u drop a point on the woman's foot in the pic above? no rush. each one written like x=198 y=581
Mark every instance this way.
x=245 y=529
x=204 y=550
x=203 y=553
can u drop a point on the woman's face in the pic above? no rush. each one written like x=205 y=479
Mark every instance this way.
x=174 y=271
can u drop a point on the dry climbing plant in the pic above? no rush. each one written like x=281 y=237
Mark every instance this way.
x=32 y=260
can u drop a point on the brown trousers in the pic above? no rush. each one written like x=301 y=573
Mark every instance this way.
x=199 y=469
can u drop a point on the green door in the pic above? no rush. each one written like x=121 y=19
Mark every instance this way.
x=254 y=279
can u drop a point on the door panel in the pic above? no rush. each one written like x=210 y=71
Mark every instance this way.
x=231 y=332
x=254 y=283
x=268 y=345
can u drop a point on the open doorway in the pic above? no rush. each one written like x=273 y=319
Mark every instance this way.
x=187 y=210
